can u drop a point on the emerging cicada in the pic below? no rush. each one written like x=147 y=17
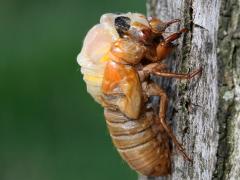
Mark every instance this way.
x=117 y=58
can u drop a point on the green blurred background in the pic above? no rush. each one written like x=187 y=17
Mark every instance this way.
x=50 y=128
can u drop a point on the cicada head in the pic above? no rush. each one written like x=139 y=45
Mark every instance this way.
x=134 y=26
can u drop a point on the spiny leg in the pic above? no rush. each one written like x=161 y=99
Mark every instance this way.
x=158 y=26
x=154 y=90
x=172 y=21
x=160 y=70
x=165 y=47
x=177 y=75
x=175 y=36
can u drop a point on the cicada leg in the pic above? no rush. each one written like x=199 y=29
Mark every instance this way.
x=165 y=47
x=175 y=36
x=154 y=90
x=177 y=75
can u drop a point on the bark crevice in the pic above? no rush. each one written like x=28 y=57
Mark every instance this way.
x=228 y=113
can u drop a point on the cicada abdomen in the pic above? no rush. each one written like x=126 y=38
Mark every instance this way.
x=140 y=142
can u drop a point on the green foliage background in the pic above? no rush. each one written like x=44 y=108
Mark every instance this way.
x=50 y=128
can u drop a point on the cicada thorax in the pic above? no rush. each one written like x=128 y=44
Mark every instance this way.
x=121 y=81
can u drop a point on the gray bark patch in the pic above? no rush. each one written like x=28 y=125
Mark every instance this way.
x=193 y=108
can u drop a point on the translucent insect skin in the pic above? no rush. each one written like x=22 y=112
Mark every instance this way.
x=117 y=58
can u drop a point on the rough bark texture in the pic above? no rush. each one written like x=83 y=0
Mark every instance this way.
x=204 y=112
x=229 y=91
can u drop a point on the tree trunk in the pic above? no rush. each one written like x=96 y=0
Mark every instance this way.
x=204 y=112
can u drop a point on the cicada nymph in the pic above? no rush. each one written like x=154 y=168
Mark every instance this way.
x=118 y=56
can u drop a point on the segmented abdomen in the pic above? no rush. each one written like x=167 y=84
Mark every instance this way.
x=138 y=142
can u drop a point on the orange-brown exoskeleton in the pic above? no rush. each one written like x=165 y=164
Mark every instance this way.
x=117 y=58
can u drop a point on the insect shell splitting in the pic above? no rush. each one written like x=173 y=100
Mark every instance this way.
x=97 y=43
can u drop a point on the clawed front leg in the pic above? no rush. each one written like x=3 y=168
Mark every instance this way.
x=165 y=47
x=158 y=26
x=161 y=50
x=175 y=36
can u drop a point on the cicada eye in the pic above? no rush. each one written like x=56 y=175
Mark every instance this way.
x=122 y=24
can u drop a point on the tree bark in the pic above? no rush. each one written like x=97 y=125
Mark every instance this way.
x=204 y=112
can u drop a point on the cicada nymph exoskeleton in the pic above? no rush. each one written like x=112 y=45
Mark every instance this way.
x=117 y=57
